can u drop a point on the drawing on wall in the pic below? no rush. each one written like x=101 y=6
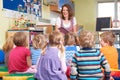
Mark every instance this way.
x=24 y=6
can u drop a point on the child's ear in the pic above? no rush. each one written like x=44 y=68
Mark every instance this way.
x=108 y=43
x=61 y=42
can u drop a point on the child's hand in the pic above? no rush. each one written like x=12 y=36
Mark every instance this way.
x=33 y=67
x=111 y=78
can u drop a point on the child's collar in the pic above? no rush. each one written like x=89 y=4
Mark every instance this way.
x=86 y=48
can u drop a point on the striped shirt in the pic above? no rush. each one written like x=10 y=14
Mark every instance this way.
x=88 y=64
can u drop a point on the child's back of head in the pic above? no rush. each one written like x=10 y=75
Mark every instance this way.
x=38 y=41
x=20 y=39
x=87 y=39
x=56 y=39
x=8 y=45
x=70 y=39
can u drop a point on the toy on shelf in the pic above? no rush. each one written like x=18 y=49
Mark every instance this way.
x=22 y=23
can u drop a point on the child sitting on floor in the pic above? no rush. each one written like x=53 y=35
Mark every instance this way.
x=37 y=44
x=87 y=63
x=50 y=65
x=7 y=47
x=70 y=49
x=19 y=57
x=107 y=39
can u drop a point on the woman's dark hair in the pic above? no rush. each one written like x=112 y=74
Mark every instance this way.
x=70 y=11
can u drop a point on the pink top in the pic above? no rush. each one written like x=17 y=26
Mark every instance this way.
x=18 y=59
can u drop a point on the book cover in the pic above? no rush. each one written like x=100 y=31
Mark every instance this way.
x=63 y=30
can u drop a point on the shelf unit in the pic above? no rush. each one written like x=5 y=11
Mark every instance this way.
x=54 y=8
x=29 y=34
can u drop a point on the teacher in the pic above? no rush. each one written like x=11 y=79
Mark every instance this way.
x=66 y=20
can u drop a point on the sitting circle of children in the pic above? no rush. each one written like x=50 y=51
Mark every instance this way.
x=62 y=54
x=59 y=56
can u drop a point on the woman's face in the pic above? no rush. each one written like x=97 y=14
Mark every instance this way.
x=65 y=12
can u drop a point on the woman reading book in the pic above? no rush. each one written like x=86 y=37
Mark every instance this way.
x=66 y=22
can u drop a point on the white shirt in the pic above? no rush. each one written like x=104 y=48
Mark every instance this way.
x=58 y=22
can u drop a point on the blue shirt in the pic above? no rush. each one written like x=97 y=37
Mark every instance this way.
x=2 y=55
x=35 y=54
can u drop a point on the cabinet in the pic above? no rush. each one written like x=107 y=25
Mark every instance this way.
x=30 y=34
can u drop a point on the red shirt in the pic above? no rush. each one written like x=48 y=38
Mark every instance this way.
x=18 y=59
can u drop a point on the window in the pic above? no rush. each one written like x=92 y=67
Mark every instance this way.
x=106 y=10
x=110 y=8
x=118 y=10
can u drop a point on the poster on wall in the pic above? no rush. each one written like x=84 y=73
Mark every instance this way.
x=28 y=7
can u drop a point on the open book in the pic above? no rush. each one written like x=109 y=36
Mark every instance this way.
x=63 y=30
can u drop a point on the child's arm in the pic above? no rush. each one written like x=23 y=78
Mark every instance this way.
x=29 y=63
x=63 y=62
x=105 y=65
x=73 y=73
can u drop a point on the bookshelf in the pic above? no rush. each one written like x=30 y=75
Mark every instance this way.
x=29 y=33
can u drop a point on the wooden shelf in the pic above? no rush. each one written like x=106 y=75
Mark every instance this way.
x=54 y=8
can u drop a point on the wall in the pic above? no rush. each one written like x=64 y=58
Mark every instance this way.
x=85 y=13
x=4 y=25
x=45 y=12
x=53 y=17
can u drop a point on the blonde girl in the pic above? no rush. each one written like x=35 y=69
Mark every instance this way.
x=52 y=60
x=37 y=44
x=7 y=47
